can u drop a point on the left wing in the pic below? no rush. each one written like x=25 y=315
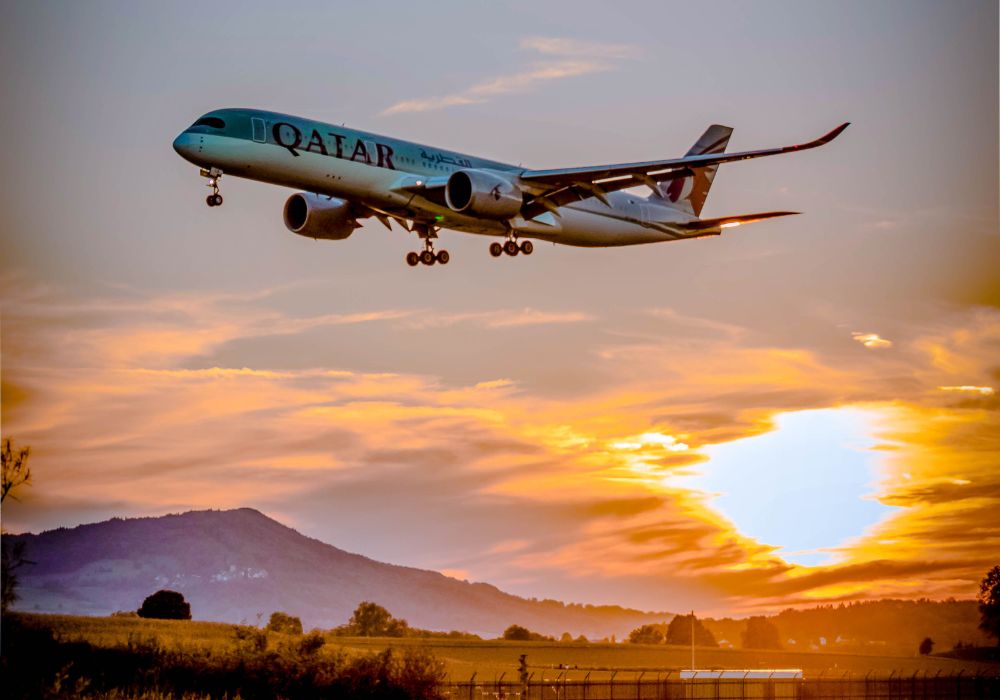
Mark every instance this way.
x=555 y=188
x=597 y=173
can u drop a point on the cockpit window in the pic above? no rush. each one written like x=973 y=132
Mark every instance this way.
x=213 y=122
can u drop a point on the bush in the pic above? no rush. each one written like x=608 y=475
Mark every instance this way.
x=165 y=605
x=518 y=633
x=36 y=665
x=647 y=634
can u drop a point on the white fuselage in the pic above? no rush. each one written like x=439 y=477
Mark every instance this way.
x=331 y=165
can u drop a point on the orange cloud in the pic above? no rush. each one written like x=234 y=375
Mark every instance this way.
x=521 y=487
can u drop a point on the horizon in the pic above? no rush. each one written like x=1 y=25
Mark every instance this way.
x=798 y=412
x=533 y=599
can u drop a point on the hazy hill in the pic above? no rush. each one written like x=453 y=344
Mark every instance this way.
x=233 y=565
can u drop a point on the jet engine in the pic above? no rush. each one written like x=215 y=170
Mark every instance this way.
x=482 y=193
x=317 y=216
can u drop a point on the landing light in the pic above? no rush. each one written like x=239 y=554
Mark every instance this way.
x=730 y=224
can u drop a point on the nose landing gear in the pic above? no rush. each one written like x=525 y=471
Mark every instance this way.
x=213 y=175
x=427 y=256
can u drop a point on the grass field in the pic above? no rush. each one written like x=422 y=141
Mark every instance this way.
x=490 y=659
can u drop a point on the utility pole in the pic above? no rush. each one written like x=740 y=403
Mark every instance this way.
x=692 y=640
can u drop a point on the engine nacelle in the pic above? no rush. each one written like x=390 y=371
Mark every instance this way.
x=483 y=193
x=317 y=216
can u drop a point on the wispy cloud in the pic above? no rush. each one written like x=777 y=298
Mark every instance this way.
x=563 y=58
x=499 y=318
x=982 y=390
x=872 y=341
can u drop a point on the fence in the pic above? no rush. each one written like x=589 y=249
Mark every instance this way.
x=671 y=687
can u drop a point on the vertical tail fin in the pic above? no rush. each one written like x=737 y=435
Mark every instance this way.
x=689 y=193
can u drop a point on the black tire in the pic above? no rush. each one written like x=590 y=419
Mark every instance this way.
x=427 y=257
x=412 y=259
x=510 y=247
x=527 y=247
x=210 y=200
x=443 y=257
x=218 y=199
x=496 y=250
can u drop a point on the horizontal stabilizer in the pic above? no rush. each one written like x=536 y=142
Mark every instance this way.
x=731 y=221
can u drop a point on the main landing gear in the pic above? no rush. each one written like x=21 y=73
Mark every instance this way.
x=427 y=256
x=213 y=175
x=511 y=247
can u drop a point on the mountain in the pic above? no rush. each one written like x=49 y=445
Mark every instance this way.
x=234 y=565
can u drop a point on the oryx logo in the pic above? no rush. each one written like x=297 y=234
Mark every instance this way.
x=675 y=189
x=496 y=193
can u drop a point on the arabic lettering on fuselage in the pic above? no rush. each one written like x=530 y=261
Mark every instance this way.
x=332 y=144
x=441 y=158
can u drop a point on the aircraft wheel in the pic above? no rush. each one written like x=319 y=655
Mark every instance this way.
x=427 y=257
x=443 y=257
x=527 y=247
x=217 y=198
x=510 y=247
x=412 y=259
x=210 y=200
x=496 y=250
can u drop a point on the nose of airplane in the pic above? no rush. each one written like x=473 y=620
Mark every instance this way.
x=184 y=144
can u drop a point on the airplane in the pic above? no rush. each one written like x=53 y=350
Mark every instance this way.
x=348 y=175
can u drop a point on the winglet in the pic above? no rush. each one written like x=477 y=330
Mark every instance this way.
x=822 y=140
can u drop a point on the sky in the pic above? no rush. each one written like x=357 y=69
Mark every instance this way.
x=800 y=411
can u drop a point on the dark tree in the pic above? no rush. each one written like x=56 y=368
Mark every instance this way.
x=679 y=632
x=284 y=623
x=926 y=646
x=15 y=467
x=15 y=472
x=989 y=603
x=761 y=633
x=369 y=620
x=165 y=605
x=397 y=627
x=372 y=620
x=647 y=634
x=517 y=633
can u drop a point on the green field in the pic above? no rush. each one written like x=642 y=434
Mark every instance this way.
x=490 y=659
